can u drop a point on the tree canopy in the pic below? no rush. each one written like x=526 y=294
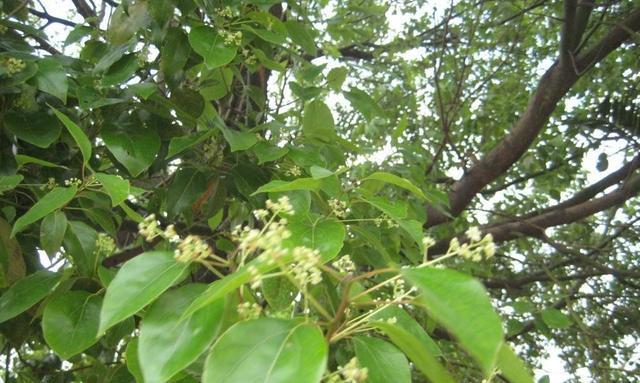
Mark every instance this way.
x=319 y=191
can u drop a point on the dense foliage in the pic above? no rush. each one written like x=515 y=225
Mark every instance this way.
x=318 y=191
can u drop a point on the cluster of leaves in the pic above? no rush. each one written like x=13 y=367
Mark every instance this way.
x=128 y=164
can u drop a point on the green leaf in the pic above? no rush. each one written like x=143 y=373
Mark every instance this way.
x=297 y=184
x=168 y=343
x=10 y=182
x=406 y=322
x=317 y=121
x=52 y=230
x=279 y=292
x=22 y=159
x=135 y=147
x=175 y=52
x=51 y=202
x=554 y=318
x=512 y=367
x=12 y=265
x=384 y=362
x=70 y=322
x=301 y=35
x=80 y=244
x=215 y=220
x=40 y=129
x=187 y=186
x=139 y=282
x=121 y=70
x=423 y=358
x=396 y=209
x=51 y=78
x=315 y=232
x=267 y=152
x=268 y=350
x=210 y=45
x=336 y=78
x=238 y=140
x=461 y=305
x=318 y=172
x=363 y=103
x=78 y=135
x=398 y=181
x=27 y=292
x=127 y=21
x=116 y=186
x=179 y=144
x=273 y=31
x=133 y=362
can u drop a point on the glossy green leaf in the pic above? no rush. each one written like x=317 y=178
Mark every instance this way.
x=27 y=292
x=302 y=35
x=317 y=121
x=133 y=362
x=396 y=209
x=324 y=234
x=238 y=140
x=39 y=129
x=10 y=182
x=175 y=52
x=461 y=305
x=70 y=322
x=554 y=318
x=124 y=144
x=51 y=78
x=398 y=181
x=22 y=159
x=512 y=367
x=80 y=244
x=187 y=186
x=297 y=184
x=116 y=186
x=122 y=70
x=267 y=152
x=179 y=144
x=268 y=350
x=139 y=282
x=78 y=135
x=168 y=343
x=52 y=230
x=51 y=202
x=384 y=362
x=423 y=357
x=210 y=45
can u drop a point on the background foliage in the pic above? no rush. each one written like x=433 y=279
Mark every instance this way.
x=136 y=136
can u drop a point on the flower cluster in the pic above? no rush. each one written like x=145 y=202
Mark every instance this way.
x=305 y=269
x=192 y=248
x=231 y=38
x=345 y=264
x=476 y=249
x=13 y=65
x=248 y=310
x=105 y=245
x=294 y=171
x=351 y=373
x=149 y=228
x=338 y=208
x=391 y=224
x=225 y=12
x=73 y=181
x=51 y=183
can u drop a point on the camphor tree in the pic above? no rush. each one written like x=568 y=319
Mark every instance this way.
x=318 y=191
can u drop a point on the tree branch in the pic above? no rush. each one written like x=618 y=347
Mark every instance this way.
x=567 y=38
x=553 y=85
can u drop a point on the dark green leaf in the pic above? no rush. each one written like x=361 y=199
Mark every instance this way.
x=52 y=230
x=316 y=232
x=10 y=182
x=297 y=184
x=139 y=282
x=39 y=129
x=301 y=35
x=27 y=292
x=51 y=78
x=238 y=140
x=168 y=343
x=51 y=202
x=70 y=322
x=125 y=145
x=78 y=135
x=179 y=144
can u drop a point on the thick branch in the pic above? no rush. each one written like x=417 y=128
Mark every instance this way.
x=555 y=83
x=567 y=39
